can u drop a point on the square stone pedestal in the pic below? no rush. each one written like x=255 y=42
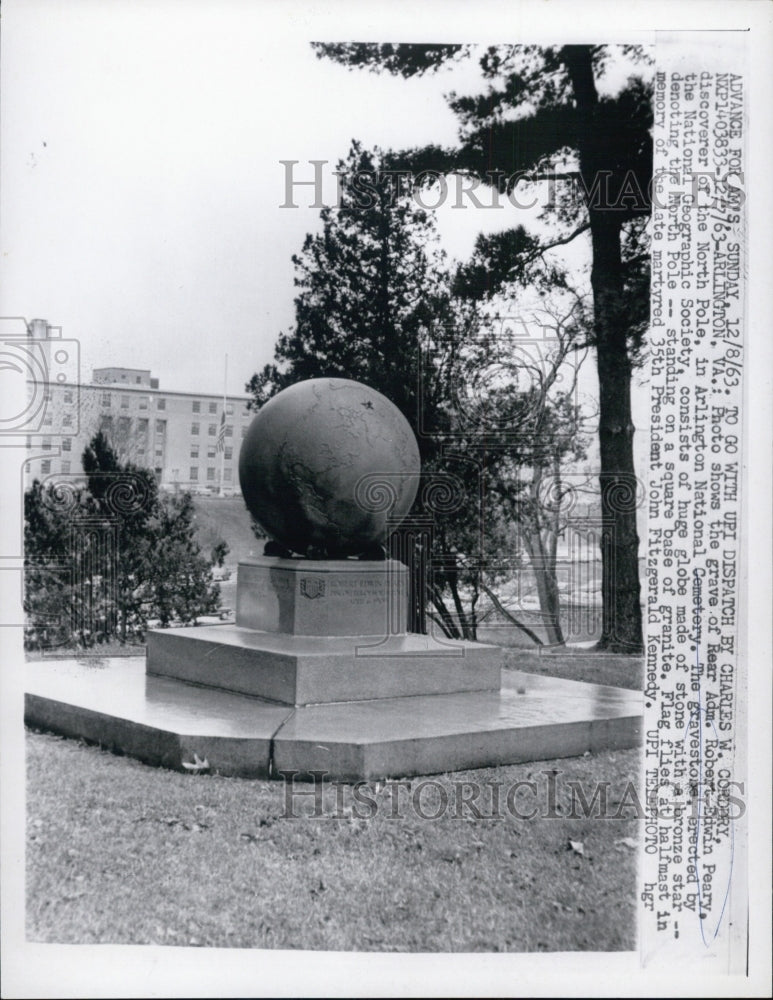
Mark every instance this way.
x=318 y=674
x=316 y=632
x=341 y=597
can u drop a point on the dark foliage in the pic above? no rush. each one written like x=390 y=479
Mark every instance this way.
x=104 y=558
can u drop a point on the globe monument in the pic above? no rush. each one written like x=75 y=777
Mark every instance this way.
x=314 y=459
x=318 y=676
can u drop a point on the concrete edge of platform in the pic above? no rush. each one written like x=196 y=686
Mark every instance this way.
x=439 y=754
x=237 y=757
x=353 y=758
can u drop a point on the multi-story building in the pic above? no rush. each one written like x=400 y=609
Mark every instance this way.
x=191 y=440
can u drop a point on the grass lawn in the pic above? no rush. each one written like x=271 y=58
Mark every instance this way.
x=121 y=853
x=575 y=664
x=224 y=518
x=102 y=651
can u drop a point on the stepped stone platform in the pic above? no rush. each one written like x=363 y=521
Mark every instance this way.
x=358 y=702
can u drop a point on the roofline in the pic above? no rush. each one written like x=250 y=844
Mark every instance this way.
x=121 y=368
x=144 y=390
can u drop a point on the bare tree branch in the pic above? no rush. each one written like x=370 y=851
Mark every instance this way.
x=503 y=611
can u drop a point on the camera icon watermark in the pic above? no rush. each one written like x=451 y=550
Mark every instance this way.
x=40 y=372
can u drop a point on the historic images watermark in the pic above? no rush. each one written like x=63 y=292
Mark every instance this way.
x=549 y=794
x=309 y=185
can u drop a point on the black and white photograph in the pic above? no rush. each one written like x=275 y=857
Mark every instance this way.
x=386 y=475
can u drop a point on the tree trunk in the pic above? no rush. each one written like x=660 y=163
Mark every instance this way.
x=547 y=586
x=621 y=610
x=620 y=590
x=445 y=619
x=466 y=627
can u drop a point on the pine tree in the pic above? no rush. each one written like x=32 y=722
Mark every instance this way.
x=544 y=107
x=376 y=304
x=374 y=290
x=178 y=576
x=372 y=285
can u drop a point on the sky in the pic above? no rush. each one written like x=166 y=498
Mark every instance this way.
x=142 y=176
x=142 y=180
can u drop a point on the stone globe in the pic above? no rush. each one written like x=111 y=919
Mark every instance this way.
x=328 y=467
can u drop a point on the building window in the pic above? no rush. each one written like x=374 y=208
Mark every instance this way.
x=211 y=451
x=46 y=444
x=143 y=402
x=194 y=473
x=65 y=467
x=48 y=419
x=124 y=425
x=244 y=432
x=67 y=420
x=194 y=451
x=161 y=404
x=212 y=430
x=45 y=466
x=213 y=407
x=210 y=474
x=68 y=395
x=138 y=379
x=229 y=430
x=107 y=399
x=229 y=409
x=229 y=453
x=196 y=406
x=227 y=475
x=159 y=452
x=66 y=444
x=142 y=425
x=194 y=428
x=161 y=427
x=124 y=402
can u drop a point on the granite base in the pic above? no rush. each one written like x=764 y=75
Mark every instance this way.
x=172 y=723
